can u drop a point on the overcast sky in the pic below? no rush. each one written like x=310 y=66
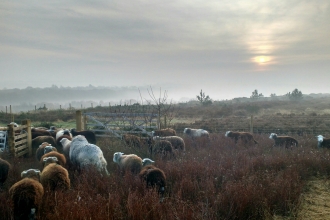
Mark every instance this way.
x=227 y=48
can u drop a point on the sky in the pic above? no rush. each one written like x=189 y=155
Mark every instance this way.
x=226 y=48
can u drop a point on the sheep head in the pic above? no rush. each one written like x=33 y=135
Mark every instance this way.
x=31 y=173
x=147 y=161
x=320 y=138
x=49 y=160
x=227 y=133
x=116 y=156
x=49 y=148
x=187 y=131
x=273 y=136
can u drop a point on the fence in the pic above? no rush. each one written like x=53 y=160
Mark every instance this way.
x=19 y=139
x=116 y=124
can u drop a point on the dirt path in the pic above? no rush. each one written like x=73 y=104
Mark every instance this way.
x=316 y=201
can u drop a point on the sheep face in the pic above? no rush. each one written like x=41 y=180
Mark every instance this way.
x=50 y=160
x=187 y=131
x=147 y=161
x=48 y=148
x=116 y=156
x=273 y=136
x=227 y=133
x=31 y=173
x=320 y=138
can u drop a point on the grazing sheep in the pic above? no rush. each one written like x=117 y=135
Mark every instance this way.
x=246 y=137
x=58 y=140
x=163 y=147
x=83 y=154
x=61 y=160
x=54 y=176
x=132 y=140
x=154 y=176
x=62 y=132
x=26 y=195
x=323 y=142
x=287 y=141
x=36 y=142
x=129 y=162
x=164 y=132
x=193 y=133
x=66 y=143
x=41 y=150
x=4 y=170
x=89 y=135
x=147 y=161
x=176 y=141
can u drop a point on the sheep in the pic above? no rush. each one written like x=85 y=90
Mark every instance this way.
x=163 y=147
x=129 y=162
x=58 y=140
x=83 y=154
x=176 y=141
x=323 y=142
x=193 y=133
x=54 y=176
x=164 y=132
x=66 y=143
x=26 y=195
x=62 y=132
x=283 y=140
x=246 y=137
x=89 y=135
x=132 y=140
x=39 y=132
x=41 y=150
x=4 y=170
x=154 y=176
x=61 y=160
x=52 y=130
x=36 y=142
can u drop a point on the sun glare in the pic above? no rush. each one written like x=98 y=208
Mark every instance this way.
x=261 y=59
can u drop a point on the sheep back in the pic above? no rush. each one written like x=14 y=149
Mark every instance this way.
x=164 y=132
x=89 y=135
x=41 y=149
x=130 y=162
x=153 y=176
x=55 y=177
x=26 y=194
x=4 y=170
x=60 y=157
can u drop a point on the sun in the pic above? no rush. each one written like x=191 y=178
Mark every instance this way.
x=261 y=60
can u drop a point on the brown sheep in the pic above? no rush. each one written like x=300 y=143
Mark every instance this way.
x=89 y=135
x=163 y=147
x=132 y=140
x=246 y=137
x=54 y=176
x=176 y=141
x=61 y=160
x=36 y=142
x=41 y=150
x=287 y=141
x=26 y=195
x=130 y=162
x=154 y=176
x=164 y=132
x=4 y=170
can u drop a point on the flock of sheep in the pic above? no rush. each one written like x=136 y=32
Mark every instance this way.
x=59 y=150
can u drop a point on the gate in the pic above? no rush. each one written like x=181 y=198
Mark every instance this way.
x=117 y=124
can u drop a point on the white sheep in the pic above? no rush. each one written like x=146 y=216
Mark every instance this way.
x=62 y=132
x=66 y=143
x=194 y=133
x=83 y=154
x=323 y=142
x=26 y=195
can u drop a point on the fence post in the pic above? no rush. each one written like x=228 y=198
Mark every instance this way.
x=78 y=120
x=251 y=124
x=85 y=122
x=27 y=122
x=11 y=140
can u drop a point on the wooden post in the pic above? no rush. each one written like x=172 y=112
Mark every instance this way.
x=78 y=120
x=11 y=140
x=251 y=124
x=92 y=105
x=27 y=122
x=6 y=110
x=11 y=115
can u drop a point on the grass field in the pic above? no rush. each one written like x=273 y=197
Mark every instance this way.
x=216 y=180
